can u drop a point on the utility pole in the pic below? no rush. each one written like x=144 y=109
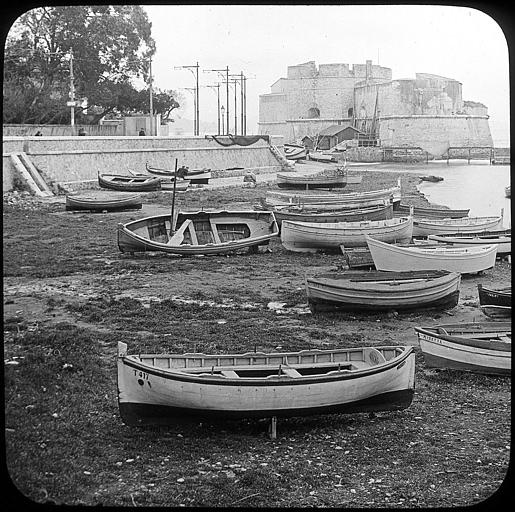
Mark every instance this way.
x=151 y=100
x=194 y=107
x=226 y=71
x=72 y=91
x=217 y=87
x=242 y=105
x=197 y=117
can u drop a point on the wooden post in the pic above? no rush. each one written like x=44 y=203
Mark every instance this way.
x=468 y=161
x=273 y=427
x=172 y=220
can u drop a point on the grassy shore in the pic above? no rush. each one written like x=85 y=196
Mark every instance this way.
x=70 y=296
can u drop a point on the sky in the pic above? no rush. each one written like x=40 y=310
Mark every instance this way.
x=261 y=41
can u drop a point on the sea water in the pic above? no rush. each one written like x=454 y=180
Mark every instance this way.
x=479 y=186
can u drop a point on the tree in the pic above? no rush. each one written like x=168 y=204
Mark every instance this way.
x=109 y=47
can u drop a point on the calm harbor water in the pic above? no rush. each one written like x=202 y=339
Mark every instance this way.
x=478 y=185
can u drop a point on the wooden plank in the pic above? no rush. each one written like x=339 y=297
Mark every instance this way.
x=214 y=230
x=36 y=176
x=193 y=233
x=178 y=236
x=26 y=175
x=290 y=372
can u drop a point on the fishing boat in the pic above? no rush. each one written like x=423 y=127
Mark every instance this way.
x=294 y=152
x=391 y=194
x=328 y=178
x=103 y=201
x=495 y=302
x=355 y=290
x=313 y=236
x=195 y=176
x=476 y=347
x=320 y=156
x=273 y=202
x=426 y=212
x=162 y=389
x=426 y=227
x=465 y=260
x=432 y=178
x=129 y=183
x=199 y=232
x=501 y=237
x=308 y=213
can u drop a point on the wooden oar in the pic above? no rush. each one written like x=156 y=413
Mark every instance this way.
x=173 y=219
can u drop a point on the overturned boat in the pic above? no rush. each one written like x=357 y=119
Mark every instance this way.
x=158 y=389
x=199 y=232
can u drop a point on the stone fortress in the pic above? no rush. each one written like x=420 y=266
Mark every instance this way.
x=426 y=112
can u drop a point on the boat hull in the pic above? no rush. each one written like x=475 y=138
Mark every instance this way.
x=501 y=237
x=305 y=183
x=382 y=291
x=426 y=227
x=392 y=194
x=376 y=213
x=205 y=232
x=444 y=352
x=311 y=237
x=465 y=260
x=292 y=152
x=128 y=183
x=436 y=213
x=102 y=203
x=195 y=176
x=149 y=395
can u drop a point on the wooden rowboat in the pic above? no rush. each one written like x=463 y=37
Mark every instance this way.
x=161 y=389
x=432 y=178
x=200 y=232
x=100 y=201
x=477 y=347
x=273 y=202
x=355 y=290
x=320 y=156
x=328 y=178
x=426 y=227
x=392 y=194
x=313 y=236
x=195 y=176
x=465 y=260
x=495 y=303
x=308 y=213
x=294 y=152
x=129 y=183
x=426 y=212
x=501 y=237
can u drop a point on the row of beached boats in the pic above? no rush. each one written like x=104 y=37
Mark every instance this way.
x=169 y=388
x=155 y=178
